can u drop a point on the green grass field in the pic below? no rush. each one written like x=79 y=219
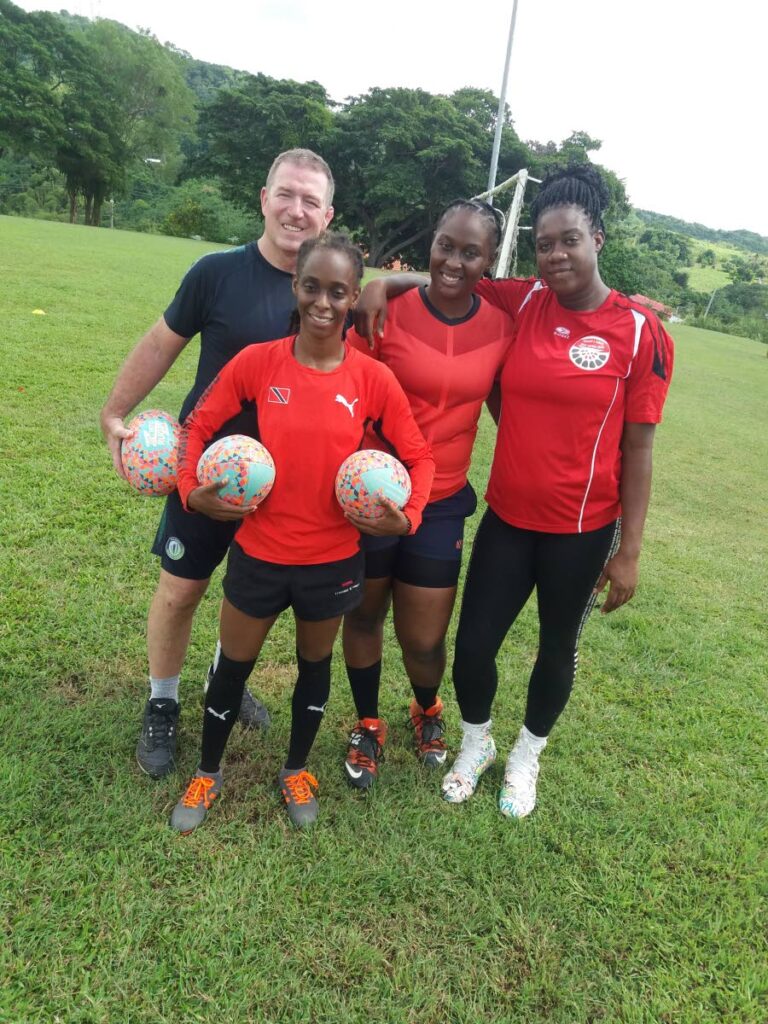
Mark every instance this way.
x=635 y=892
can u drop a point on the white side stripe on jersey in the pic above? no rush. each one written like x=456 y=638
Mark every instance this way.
x=639 y=324
x=594 y=452
x=536 y=288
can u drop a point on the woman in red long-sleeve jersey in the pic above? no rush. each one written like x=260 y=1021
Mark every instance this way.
x=311 y=397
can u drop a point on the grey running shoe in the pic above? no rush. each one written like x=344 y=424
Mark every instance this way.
x=252 y=714
x=156 y=749
x=192 y=809
x=296 y=789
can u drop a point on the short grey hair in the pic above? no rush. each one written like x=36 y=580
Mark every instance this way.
x=303 y=158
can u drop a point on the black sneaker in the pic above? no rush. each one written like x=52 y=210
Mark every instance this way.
x=365 y=751
x=252 y=714
x=156 y=749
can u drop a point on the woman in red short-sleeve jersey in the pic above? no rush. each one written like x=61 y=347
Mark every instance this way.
x=446 y=347
x=582 y=390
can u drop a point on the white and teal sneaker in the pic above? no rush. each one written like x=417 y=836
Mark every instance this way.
x=475 y=757
x=517 y=797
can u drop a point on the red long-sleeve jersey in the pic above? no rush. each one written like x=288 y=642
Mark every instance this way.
x=309 y=421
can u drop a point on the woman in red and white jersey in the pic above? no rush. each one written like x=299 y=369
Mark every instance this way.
x=310 y=397
x=582 y=389
x=446 y=347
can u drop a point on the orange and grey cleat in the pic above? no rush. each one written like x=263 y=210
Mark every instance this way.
x=429 y=729
x=296 y=788
x=192 y=809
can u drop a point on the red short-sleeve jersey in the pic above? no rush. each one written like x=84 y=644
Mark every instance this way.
x=309 y=421
x=446 y=368
x=570 y=382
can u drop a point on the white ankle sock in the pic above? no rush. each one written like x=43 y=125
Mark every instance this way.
x=164 y=689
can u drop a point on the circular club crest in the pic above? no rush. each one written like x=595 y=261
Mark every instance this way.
x=590 y=353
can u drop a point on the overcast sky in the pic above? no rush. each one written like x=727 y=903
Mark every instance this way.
x=675 y=89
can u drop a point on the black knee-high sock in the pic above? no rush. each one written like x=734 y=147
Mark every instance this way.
x=425 y=696
x=364 y=683
x=313 y=688
x=222 y=703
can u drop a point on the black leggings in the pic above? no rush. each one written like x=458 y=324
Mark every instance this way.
x=506 y=564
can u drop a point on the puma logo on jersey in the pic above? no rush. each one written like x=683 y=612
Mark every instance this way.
x=347 y=405
x=222 y=715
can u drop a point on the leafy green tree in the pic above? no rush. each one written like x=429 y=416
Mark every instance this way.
x=399 y=155
x=34 y=74
x=707 y=258
x=576 y=149
x=30 y=187
x=243 y=129
x=671 y=244
x=154 y=104
x=197 y=209
x=57 y=104
x=91 y=154
x=746 y=269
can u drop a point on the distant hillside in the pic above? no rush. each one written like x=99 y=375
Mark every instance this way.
x=748 y=240
x=206 y=79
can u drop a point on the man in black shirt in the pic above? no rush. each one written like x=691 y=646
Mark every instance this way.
x=232 y=299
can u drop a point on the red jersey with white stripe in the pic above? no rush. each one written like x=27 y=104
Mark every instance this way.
x=309 y=421
x=446 y=368
x=570 y=383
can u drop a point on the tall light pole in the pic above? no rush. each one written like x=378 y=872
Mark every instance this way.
x=502 y=101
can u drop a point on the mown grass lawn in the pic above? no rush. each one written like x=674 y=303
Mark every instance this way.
x=634 y=893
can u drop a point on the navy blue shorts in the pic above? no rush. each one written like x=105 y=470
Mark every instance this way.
x=189 y=544
x=431 y=557
x=315 y=592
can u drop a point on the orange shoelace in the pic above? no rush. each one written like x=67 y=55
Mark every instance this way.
x=298 y=786
x=197 y=792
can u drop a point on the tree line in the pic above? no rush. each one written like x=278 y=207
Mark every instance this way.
x=91 y=111
x=112 y=110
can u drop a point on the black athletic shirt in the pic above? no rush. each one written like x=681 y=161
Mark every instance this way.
x=232 y=299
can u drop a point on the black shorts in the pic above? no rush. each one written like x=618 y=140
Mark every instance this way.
x=315 y=592
x=431 y=557
x=189 y=544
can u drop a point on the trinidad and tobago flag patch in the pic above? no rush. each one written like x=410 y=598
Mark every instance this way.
x=279 y=396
